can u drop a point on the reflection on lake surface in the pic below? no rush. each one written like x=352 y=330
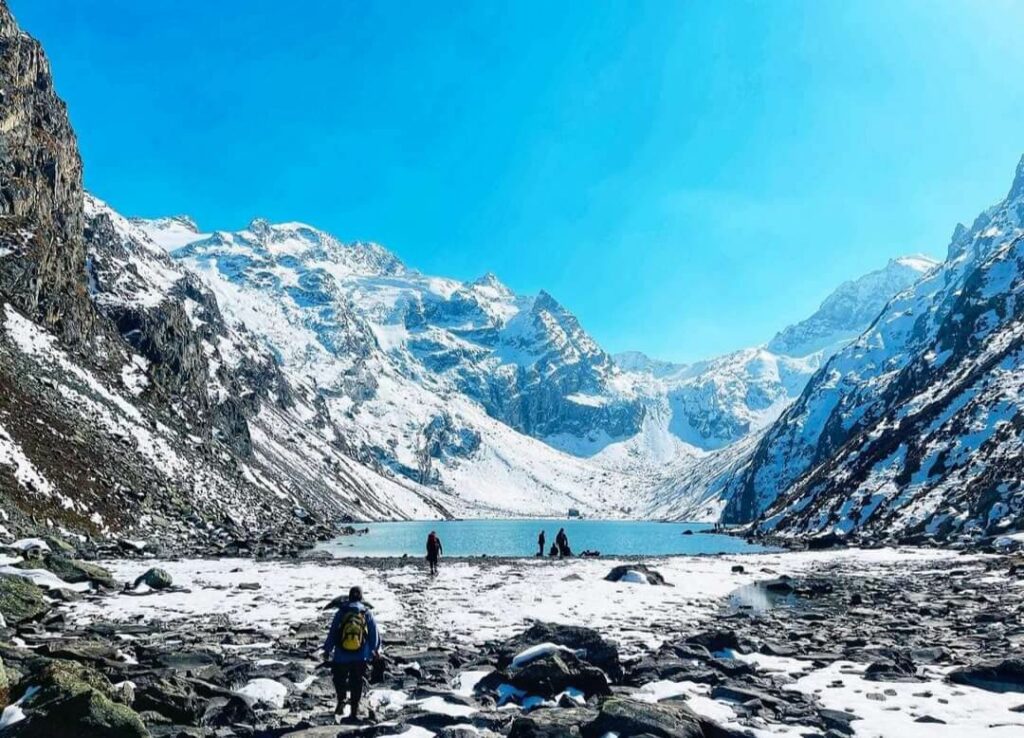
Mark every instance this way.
x=519 y=538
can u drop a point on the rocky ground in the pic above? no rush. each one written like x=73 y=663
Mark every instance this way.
x=870 y=643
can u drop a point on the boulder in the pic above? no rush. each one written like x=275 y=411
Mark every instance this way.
x=173 y=698
x=553 y=673
x=154 y=579
x=72 y=571
x=224 y=711
x=586 y=642
x=823 y=541
x=636 y=574
x=717 y=640
x=552 y=723
x=4 y=686
x=20 y=600
x=73 y=699
x=895 y=666
x=1006 y=675
x=85 y=715
x=625 y=717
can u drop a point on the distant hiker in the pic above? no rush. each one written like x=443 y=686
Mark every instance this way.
x=354 y=642
x=554 y=550
x=562 y=541
x=540 y=544
x=434 y=551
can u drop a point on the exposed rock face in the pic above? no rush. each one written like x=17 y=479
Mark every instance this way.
x=127 y=401
x=915 y=427
x=41 y=247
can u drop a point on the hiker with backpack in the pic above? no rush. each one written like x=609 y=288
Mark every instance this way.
x=434 y=551
x=352 y=643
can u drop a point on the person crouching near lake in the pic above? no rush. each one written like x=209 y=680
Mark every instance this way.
x=353 y=641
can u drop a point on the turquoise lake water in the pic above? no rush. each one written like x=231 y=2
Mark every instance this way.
x=519 y=538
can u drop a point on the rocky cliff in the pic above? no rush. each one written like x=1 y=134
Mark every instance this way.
x=914 y=429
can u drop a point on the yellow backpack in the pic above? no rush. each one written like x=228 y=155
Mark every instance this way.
x=353 y=631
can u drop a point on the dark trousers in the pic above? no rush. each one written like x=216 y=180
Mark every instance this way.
x=348 y=679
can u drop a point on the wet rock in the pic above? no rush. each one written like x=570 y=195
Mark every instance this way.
x=637 y=574
x=21 y=600
x=782 y=585
x=586 y=642
x=995 y=676
x=154 y=579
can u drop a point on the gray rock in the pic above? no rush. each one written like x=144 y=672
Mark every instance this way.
x=995 y=676
x=21 y=600
x=154 y=579
x=652 y=576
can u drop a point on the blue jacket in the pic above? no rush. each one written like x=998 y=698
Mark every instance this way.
x=370 y=644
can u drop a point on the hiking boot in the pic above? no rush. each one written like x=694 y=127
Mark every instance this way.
x=339 y=709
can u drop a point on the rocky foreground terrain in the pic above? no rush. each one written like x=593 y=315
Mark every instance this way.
x=884 y=642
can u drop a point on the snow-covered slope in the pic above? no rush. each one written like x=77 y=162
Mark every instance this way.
x=711 y=410
x=467 y=388
x=847 y=311
x=500 y=398
x=915 y=426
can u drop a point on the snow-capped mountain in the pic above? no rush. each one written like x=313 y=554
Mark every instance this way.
x=462 y=386
x=847 y=311
x=435 y=379
x=915 y=427
x=234 y=386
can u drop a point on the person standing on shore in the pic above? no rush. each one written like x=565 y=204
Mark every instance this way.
x=562 y=542
x=353 y=641
x=540 y=544
x=434 y=551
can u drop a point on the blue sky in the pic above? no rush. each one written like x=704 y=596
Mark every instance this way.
x=686 y=177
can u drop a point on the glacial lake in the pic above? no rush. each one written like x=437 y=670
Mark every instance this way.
x=519 y=538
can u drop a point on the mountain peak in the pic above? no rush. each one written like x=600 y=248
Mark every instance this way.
x=260 y=227
x=850 y=308
x=489 y=279
x=918 y=262
x=1017 y=188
